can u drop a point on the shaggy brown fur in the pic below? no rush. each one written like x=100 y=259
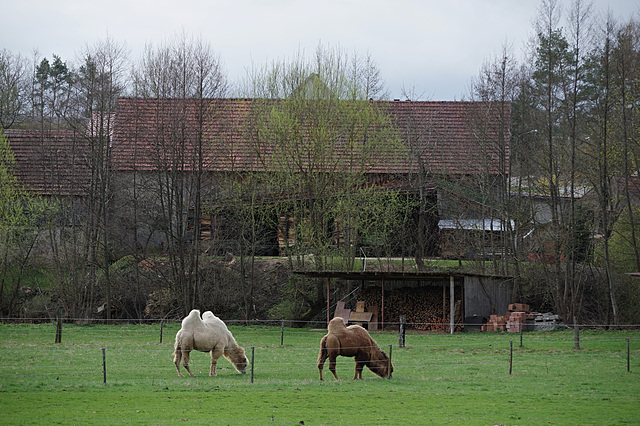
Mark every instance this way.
x=352 y=341
x=208 y=334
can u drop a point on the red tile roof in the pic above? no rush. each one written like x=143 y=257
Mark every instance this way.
x=452 y=138
x=50 y=162
x=442 y=134
x=148 y=133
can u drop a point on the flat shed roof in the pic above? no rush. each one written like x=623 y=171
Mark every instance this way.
x=394 y=276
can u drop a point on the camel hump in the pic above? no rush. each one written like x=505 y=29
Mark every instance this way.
x=362 y=334
x=192 y=320
x=211 y=320
x=336 y=325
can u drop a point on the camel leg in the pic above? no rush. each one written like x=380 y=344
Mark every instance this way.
x=176 y=360
x=321 y=359
x=185 y=362
x=359 y=368
x=332 y=365
x=215 y=354
x=360 y=363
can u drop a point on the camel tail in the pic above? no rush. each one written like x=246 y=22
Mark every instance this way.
x=322 y=356
x=177 y=346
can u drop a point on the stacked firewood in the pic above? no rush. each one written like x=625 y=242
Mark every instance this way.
x=423 y=307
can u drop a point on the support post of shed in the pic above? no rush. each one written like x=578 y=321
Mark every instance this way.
x=382 y=308
x=452 y=305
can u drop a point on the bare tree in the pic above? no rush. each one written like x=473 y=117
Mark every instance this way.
x=367 y=81
x=101 y=82
x=14 y=78
x=579 y=34
x=497 y=87
x=603 y=175
x=626 y=56
x=185 y=77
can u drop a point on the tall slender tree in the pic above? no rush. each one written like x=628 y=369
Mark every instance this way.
x=185 y=78
x=575 y=96
x=552 y=66
x=603 y=151
x=100 y=83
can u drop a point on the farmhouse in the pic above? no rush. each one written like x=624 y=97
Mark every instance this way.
x=446 y=146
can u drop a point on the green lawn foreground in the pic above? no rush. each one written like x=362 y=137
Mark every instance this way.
x=438 y=379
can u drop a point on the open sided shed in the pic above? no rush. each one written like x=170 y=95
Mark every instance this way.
x=480 y=295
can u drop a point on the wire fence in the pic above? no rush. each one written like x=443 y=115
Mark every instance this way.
x=143 y=351
x=419 y=326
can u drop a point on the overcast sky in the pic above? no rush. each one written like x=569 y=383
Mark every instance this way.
x=432 y=48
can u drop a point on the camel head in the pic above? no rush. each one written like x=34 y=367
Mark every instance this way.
x=238 y=359
x=381 y=365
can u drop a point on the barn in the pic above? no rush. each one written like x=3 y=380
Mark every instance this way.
x=436 y=301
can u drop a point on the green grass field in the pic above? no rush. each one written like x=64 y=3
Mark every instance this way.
x=438 y=379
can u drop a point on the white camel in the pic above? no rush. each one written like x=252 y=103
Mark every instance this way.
x=207 y=334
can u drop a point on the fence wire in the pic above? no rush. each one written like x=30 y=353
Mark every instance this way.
x=24 y=353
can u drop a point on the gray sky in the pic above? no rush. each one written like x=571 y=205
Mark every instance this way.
x=430 y=47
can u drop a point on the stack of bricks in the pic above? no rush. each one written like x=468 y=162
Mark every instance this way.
x=496 y=323
x=517 y=319
x=514 y=322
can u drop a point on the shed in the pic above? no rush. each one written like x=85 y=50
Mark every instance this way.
x=480 y=295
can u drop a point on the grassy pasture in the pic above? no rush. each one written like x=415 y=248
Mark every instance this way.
x=441 y=379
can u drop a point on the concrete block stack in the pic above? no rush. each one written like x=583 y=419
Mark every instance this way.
x=547 y=321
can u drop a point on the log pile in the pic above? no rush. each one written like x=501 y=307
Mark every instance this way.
x=421 y=306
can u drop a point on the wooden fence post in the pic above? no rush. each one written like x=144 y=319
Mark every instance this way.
x=401 y=332
x=389 y=366
x=576 y=334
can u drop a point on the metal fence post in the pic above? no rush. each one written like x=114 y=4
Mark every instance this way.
x=510 y=356
x=282 y=333
x=104 y=366
x=59 y=326
x=389 y=366
x=252 y=361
